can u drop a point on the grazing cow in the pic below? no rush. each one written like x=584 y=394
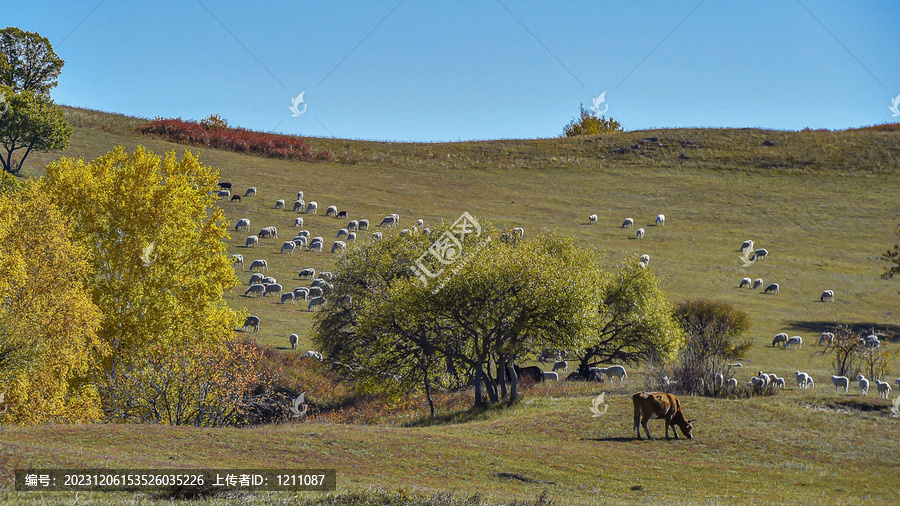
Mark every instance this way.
x=332 y=210
x=759 y=254
x=251 y=192
x=312 y=208
x=640 y=233
x=773 y=287
x=237 y=260
x=235 y=198
x=259 y=264
x=660 y=220
x=316 y=302
x=562 y=364
x=794 y=342
x=745 y=282
x=534 y=372
x=592 y=219
x=225 y=185
x=827 y=295
x=343 y=214
x=307 y=273
x=617 y=371
x=628 y=222
x=257 y=289
x=660 y=405
x=287 y=297
x=746 y=245
x=780 y=338
x=242 y=224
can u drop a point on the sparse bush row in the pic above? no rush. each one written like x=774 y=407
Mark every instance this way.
x=240 y=140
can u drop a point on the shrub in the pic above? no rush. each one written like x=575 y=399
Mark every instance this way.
x=214 y=132
x=589 y=123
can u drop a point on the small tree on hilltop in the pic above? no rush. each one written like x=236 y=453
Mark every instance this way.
x=893 y=256
x=29 y=120
x=588 y=123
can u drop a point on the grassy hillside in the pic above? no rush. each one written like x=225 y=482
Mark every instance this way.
x=823 y=203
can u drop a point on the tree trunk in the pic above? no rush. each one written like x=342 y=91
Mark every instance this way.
x=501 y=376
x=479 y=377
x=514 y=383
x=428 y=393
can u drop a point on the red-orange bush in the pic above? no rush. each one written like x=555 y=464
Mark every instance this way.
x=235 y=139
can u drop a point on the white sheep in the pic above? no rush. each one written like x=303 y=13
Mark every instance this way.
x=794 y=342
x=315 y=291
x=332 y=210
x=342 y=233
x=780 y=338
x=779 y=382
x=746 y=245
x=840 y=381
x=863 y=385
x=732 y=383
x=300 y=241
x=289 y=246
x=562 y=364
x=745 y=281
x=256 y=278
x=259 y=264
x=642 y=264
x=826 y=338
x=279 y=204
x=316 y=245
x=252 y=241
x=617 y=371
x=827 y=295
x=773 y=287
x=272 y=288
x=872 y=341
x=242 y=224
x=660 y=220
x=551 y=376
x=312 y=207
x=640 y=233
x=757 y=283
x=519 y=231
x=351 y=236
x=883 y=388
x=318 y=282
x=352 y=225
x=363 y=224
x=326 y=275
x=258 y=289
x=592 y=219
x=405 y=232
x=308 y=273
x=338 y=246
x=388 y=221
x=803 y=380
x=287 y=297
x=251 y=192
x=293 y=338
x=299 y=206
x=420 y=223
x=376 y=236
x=760 y=254
x=301 y=291
x=223 y=194
x=646 y=259
x=298 y=221
x=312 y=354
x=628 y=222
x=268 y=280
x=316 y=302
x=756 y=382
x=237 y=259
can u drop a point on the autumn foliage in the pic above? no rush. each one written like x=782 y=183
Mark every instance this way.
x=215 y=135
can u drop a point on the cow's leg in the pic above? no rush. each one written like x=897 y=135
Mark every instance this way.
x=637 y=422
x=644 y=423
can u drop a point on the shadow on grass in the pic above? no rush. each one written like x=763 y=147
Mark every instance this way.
x=610 y=439
x=863 y=328
x=472 y=414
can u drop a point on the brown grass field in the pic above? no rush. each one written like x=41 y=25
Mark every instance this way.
x=824 y=203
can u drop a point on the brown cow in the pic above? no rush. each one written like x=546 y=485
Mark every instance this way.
x=659 y=405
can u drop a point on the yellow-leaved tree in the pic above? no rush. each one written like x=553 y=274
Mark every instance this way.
x=154 y=237
x=155 y=241
x=48 y=323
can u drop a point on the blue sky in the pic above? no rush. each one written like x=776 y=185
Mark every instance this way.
x=436 y=71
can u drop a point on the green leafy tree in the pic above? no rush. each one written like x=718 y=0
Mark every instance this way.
x=27 y=61
x=30 y=121
x=893 y=256
x=636 y=321
x=588 y=123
